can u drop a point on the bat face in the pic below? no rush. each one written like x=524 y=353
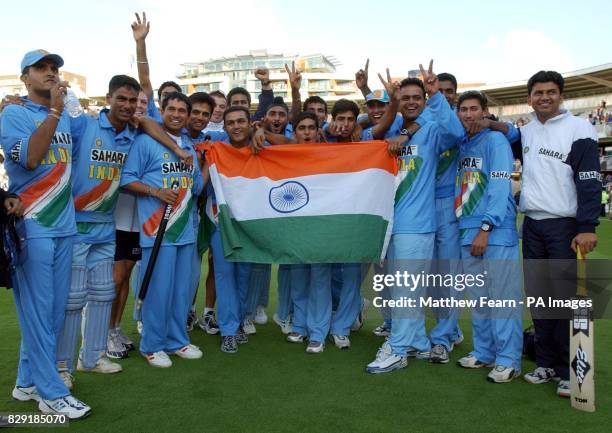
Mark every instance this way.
x=582 y=383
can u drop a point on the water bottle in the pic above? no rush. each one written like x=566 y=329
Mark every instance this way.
x=72 y=105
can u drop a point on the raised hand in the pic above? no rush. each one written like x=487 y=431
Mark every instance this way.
x=140 y=27
x=262 y=74
x=394 y=144
x=391 y=87
x=361 y=76
x=430 y=80
x=58 y=91
x=295 y=76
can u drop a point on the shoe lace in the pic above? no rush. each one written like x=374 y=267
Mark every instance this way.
x=383 y=352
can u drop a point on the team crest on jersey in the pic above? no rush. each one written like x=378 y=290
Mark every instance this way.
x=166 y=155
x=98 y=142
x=471 y=163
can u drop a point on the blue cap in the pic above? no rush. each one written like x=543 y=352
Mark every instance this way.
x=36 y=56
x=378 y=95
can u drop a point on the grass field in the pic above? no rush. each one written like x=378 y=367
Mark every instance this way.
x=271 y=386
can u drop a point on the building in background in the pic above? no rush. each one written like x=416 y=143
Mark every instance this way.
x=319 y=76
x=12 y=85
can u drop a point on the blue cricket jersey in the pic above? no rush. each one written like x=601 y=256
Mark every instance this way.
x=46 y=190
x=151 y=163
x=483 y=189
x=95 y=178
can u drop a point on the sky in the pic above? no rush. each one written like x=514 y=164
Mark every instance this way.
x=491 y=42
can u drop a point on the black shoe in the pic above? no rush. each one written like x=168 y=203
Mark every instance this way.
x=228 y=344
x=192 y=319
x=242 y=336
x=438 y=354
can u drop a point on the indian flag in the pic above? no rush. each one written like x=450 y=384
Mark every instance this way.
x=101 y=198
x=304 y=203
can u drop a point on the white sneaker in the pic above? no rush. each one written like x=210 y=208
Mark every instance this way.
x=294 y=337
x=25 y=393
x=248 y=327
x=285 y=325
x=158 y=359
x=540 y=375
x=386 y=361
x=563 y=389
x=125 y=340
x=189 y=352
x=104 y=366
x=341 y=341
x=315 y=347
x=501 y=374
x=67 y=378
x=382 y=330
x=358 y=323
x=472 y=362
x=69 y=406
x=261 y=318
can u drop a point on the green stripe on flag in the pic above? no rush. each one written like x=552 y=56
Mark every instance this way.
x=475 y=195
x=49 y=214
x=342 y=238
x=108 y=203
x=85 y=227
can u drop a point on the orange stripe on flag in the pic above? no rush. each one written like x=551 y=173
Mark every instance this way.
x=295 y=160
x=39 y=188
x=151 y=225
x=83 y=200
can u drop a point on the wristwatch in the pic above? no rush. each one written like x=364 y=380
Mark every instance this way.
x=486 y=227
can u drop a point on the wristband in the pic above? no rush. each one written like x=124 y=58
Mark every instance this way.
x=56 y=111
x=53 y=115
x=266 y=83
x=142 y=61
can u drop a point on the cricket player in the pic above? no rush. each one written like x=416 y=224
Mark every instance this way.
x=100 y=154
x=412 y=242
x=150 y=171
x=486 y=211
x=37 y=139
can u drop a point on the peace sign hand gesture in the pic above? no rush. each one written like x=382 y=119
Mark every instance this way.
x=295 y=76
x=140 y=28
x=430 y=80
x=361 y=76
x=391 y=87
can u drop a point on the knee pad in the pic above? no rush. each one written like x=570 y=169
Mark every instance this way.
x=100 y=282
x=78 y=289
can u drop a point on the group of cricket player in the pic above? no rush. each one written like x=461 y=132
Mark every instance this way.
x=93 y=190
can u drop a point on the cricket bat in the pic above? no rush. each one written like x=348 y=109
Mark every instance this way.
x=582 y=357
x=144 y=288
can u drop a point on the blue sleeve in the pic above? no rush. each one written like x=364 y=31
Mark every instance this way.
x=152 y=110
x=17 y=128
x=78 y=125
x=499 y=158
x=266 y=98
x=584 y=160
x=134 y=167
x=450 y=128
x=514 y=137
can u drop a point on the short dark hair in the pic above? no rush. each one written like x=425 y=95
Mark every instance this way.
x=473 y=94
x=166 y=84
x=218 y=93
x=238 y=91
x=314 y=100
x=343 y=105
x=177 y=96
x=303 y=116
x=278 y=102
x=445 y=76
x=236 y=108
x=546 y=77
x=202 y=98
x=119 y=81
x=412 y=82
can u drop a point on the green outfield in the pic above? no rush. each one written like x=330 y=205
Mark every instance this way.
x=271 y=386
